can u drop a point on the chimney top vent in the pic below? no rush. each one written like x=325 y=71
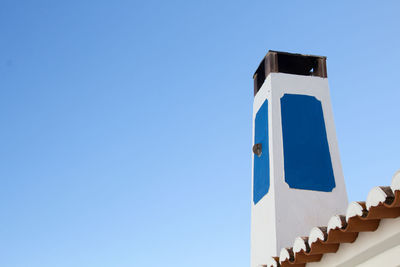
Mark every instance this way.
x=299 y=64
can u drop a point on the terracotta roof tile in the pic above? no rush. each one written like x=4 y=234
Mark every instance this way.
x=382 y=202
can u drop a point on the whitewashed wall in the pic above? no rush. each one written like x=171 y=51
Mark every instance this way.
x=285 y=213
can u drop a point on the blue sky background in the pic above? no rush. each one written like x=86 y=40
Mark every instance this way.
x=126 y=125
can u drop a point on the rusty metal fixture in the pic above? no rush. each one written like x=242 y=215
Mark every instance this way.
x=257 y=149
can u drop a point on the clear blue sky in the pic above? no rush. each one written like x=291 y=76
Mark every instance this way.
x=126 y=125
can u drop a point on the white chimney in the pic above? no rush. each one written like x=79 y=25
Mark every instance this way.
x=297 y=175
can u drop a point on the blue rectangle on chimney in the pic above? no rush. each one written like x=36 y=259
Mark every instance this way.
x=307 y=160
x=261 y=162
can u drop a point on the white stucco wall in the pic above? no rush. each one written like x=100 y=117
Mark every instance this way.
x=285 y=213
x=263 y=221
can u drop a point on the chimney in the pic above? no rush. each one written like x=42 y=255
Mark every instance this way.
x=297 y=175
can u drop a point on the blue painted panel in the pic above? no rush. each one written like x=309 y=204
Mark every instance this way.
x=261 y=163
x=307 y=158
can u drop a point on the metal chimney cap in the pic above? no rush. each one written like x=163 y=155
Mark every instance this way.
x=291 y=63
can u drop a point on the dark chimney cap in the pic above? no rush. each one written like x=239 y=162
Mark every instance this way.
x=275 y=61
